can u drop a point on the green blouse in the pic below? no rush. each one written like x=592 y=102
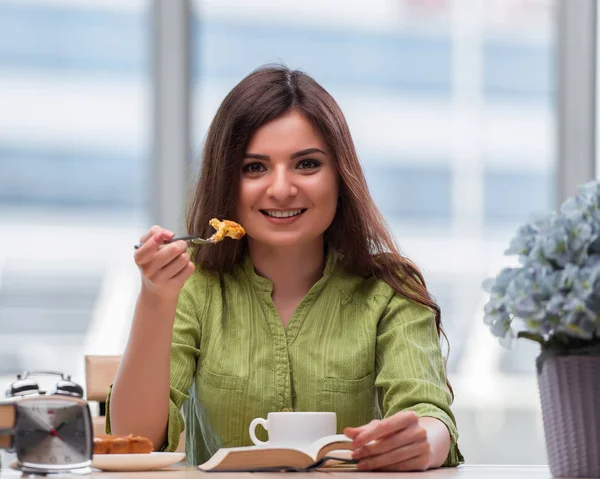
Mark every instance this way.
x=353 y=346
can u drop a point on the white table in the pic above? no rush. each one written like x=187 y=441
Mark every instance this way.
x=462 y=472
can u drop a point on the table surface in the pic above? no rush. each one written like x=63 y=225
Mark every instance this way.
x=466 y=471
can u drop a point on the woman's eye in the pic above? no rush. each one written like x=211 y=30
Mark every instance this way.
x=253 y=168
x=308 y=164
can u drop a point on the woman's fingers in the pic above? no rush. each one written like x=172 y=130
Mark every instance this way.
x=172 y=269
x=181 y=277
x=352 y=432
x=377 y=429
x=395 y=443
x=165 y=267
x=151 y=245
x=396 y=456
x=355 y=432
x=411 y=435
x=151 y=232
x=164 y=256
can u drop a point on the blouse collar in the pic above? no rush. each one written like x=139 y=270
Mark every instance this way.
x=265 y=284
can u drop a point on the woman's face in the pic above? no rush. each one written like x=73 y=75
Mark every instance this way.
x=289 y=183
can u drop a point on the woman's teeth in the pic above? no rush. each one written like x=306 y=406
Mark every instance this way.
x=283 y=214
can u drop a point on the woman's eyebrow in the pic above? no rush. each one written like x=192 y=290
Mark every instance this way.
x=308 y=151
x=256 y=156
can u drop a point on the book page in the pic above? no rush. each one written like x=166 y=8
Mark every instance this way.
x=257 y=457
x=323 y=446
x=253 y=457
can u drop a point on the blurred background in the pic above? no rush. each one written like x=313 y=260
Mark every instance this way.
x=103 y=111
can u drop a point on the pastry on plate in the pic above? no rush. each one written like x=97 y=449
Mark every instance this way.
x=122 y=445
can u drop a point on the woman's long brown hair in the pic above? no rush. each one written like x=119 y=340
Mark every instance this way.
x=358 y=231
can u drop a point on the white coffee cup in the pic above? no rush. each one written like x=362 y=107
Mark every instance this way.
x=294 y=429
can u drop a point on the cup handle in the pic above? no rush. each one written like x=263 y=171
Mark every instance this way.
x=255 y=422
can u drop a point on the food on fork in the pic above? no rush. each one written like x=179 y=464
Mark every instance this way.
x=226 y=228
x=122 y=445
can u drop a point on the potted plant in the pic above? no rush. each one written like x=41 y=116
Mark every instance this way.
x=553 y=298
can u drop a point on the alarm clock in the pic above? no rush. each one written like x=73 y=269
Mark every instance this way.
x=51 y=431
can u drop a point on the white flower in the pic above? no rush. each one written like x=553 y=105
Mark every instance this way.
x=556 y=291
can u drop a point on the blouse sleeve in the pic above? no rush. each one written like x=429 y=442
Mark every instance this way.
x=410 y=368
x=185 y=349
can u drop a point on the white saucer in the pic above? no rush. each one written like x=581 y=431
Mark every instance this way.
x=136 y=462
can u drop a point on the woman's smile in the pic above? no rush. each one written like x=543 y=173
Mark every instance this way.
x=283 y=217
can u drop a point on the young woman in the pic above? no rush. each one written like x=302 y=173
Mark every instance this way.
x=314 y=310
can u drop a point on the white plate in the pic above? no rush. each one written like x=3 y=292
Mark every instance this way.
x=136 y=462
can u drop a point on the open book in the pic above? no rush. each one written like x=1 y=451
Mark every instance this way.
x=273 y=458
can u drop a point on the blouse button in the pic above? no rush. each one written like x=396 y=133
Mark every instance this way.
x=285 y=409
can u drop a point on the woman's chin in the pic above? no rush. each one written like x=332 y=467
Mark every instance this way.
x=282 y=240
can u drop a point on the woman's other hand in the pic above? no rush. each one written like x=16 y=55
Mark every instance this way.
x=402 y=442
x=164 y=267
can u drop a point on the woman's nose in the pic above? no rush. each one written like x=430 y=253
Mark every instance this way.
x=282 y=186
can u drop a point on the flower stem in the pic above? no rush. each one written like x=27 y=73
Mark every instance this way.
x=532 y=336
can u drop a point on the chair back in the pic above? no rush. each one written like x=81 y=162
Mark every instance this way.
x=100 y=372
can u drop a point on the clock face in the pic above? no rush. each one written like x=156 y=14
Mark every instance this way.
x=53 y=432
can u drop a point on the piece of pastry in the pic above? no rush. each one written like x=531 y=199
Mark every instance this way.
x=226 y=228
x=140 y=445
x=122 y=445
x=118 y=445
x=100 y=446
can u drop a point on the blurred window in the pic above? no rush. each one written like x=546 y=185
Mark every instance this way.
x=74 y=117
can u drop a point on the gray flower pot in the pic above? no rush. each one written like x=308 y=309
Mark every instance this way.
x=570 y=396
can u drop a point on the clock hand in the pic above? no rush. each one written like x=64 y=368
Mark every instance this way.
x=54 y=431
x=51 y=432
x=62 y=424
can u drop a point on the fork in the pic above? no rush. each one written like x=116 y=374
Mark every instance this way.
x=191 y=239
